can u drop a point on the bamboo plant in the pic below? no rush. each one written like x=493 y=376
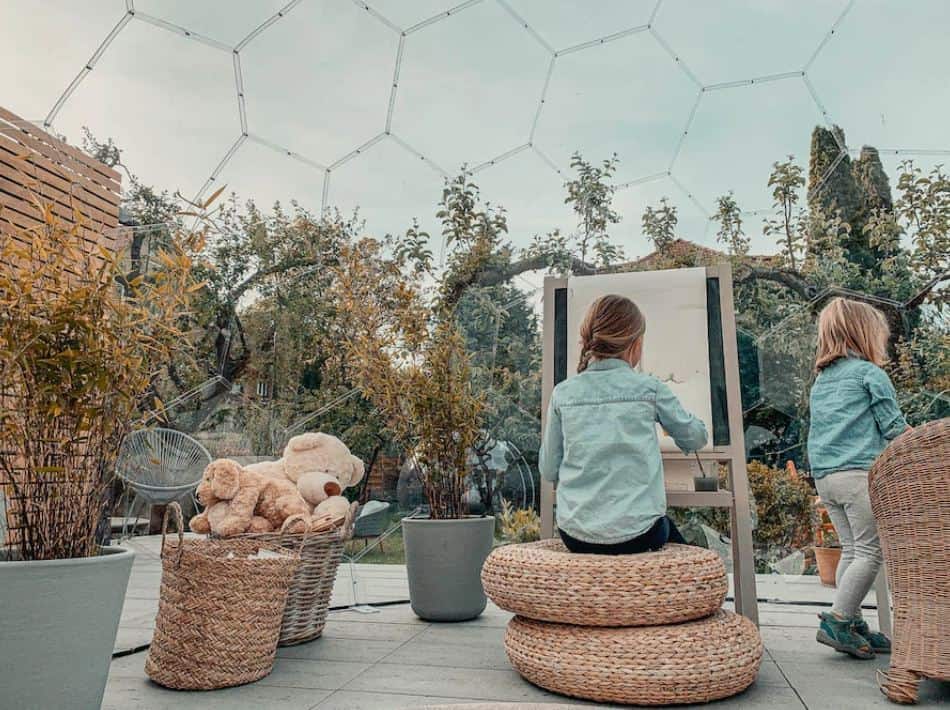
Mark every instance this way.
x=80 y=346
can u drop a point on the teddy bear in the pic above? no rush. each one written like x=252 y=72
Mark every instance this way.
x=279 y=498
x=229 y=494
x=322 y=467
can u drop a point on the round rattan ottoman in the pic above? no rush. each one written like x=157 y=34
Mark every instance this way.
x=694 y=662
x=542 y=580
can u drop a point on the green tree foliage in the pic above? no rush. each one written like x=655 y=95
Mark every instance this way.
x=788 y=226
x=730 y=234
x=659 y=225
x=591 y=195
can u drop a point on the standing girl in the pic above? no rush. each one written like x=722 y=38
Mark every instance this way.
x=854 y=414
x=600 y=441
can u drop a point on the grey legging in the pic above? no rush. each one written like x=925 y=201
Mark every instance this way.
x=845 y=496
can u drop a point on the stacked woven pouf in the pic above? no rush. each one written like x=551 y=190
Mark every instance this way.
x=642 y=629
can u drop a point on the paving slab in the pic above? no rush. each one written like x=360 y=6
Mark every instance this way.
x=134 y=693
x=475 y=684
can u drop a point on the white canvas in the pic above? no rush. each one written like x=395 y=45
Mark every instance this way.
x=676 y=346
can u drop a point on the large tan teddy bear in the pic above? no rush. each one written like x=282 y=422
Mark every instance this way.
x=322 y=467
x=229 y=494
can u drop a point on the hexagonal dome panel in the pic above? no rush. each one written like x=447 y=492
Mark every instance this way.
x=478 y=103
x=390 y=186
x=318 y=81
x=531 y=192
x=30 y=83
x=262 y=174
x=729 y=40
x=166 y=100
x=631 y=202
x=786 y=362
x=626 y=97
x=736 y=136
x=888 y=99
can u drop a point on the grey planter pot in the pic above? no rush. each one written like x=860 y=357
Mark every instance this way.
x=444 y=560
x=57 y=628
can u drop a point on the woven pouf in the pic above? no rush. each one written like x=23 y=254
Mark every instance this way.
x=695 y=662
x=543 y=580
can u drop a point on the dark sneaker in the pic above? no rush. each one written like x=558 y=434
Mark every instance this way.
x=841 y=636
x=879 y=642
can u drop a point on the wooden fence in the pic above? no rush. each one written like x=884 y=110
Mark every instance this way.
x=39 y=171
x=35 y=165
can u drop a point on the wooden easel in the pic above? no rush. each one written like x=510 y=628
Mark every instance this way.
x=731 y=454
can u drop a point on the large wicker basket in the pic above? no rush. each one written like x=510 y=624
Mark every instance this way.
x=219 y=613
x=909 y=485
x=308 y=599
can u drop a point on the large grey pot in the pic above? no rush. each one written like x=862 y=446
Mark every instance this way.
x=444 y=560
x=58 y=621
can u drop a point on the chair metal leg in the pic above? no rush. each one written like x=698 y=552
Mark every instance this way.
x=131 y=497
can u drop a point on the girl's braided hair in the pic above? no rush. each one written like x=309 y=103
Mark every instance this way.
x=611 y=325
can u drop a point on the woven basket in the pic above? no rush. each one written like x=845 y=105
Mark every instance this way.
x=308 y=600
x=219 y=613
x=909 y=486
x=542 y=580
x=695 y=662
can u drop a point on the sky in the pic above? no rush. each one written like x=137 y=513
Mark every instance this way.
x=696 y=97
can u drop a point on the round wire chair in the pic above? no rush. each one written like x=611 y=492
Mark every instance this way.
x=159 y=466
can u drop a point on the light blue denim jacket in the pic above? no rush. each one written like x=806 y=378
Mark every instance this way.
x=854 y=414
x=600 y=446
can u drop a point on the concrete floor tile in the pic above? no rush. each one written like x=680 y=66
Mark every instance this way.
x=128 y=693
x=396 y=614
x=354 y=700
x=349 y=626
x=477 y=684
x=323 y=675
x=336 y=649
x=129 y=638
x=765 y=697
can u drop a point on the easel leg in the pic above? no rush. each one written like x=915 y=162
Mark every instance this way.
x=743 y=558
x=547 y=509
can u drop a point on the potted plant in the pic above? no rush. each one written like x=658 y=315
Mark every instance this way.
x=827 y=547
x=405 y=352
x=77 y=354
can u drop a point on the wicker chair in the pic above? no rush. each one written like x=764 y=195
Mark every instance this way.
x=910 y=495
x=159 y=466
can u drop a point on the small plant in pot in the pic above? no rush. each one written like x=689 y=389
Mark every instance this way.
x=79 y=347
x=405 y=352
x=827 y=547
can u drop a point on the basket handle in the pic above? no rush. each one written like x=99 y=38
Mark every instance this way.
x=349 y=522
x=174 y=508
x=288 y=522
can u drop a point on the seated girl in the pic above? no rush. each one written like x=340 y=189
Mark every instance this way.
x=600 y=442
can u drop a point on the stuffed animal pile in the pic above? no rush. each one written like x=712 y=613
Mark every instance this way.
x=306 y=483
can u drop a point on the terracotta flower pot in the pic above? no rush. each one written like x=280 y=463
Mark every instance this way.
x=827 y=559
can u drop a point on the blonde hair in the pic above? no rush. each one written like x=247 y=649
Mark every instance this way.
x=612 y=324
x=848 y=327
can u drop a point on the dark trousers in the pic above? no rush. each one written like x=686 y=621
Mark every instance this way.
x=662 y=532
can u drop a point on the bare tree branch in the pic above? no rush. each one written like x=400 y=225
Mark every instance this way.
x=784 y=277
x=921 y=296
